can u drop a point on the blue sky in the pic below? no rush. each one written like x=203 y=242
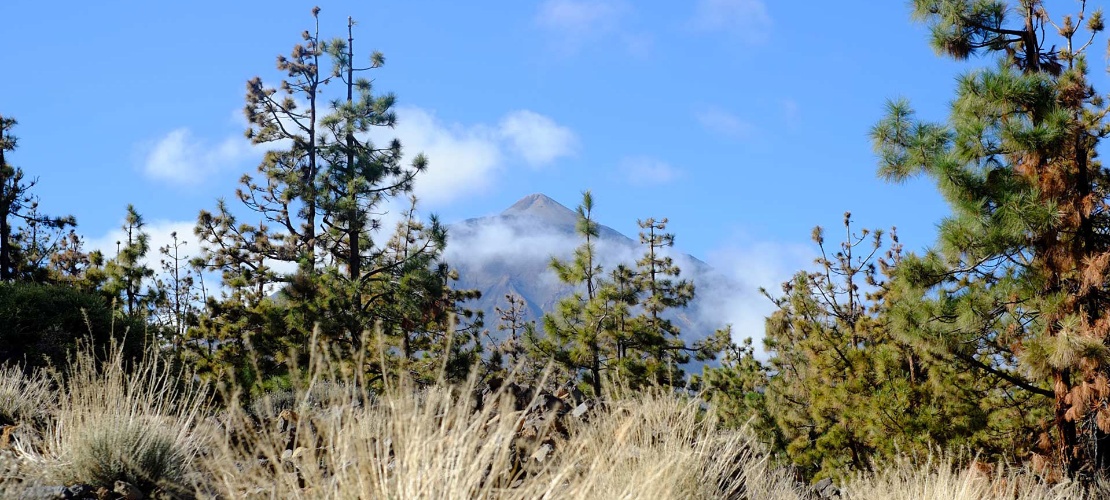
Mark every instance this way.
x=745 y=122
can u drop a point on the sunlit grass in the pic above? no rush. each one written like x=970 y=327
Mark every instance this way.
x=106 y=423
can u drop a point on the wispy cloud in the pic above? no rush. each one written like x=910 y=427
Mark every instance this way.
x=581 y=16
x=574 y=24
x=743 y=267
x=647 y=171
x=537 y=138
x=722 y=122
x=182 y=159
x=465 y=158
x=746 y=20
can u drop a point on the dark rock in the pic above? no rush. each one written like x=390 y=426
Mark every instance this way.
x=80 y=492
x=128 y=491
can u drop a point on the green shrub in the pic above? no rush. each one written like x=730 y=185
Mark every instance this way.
x=141 y=453
x=40 y=325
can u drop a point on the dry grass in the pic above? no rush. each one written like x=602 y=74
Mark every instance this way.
x=24 y=398
x=113 y=424
x=942 y=479
x=108 y=423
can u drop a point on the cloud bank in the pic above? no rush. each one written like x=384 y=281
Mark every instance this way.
x=180 y=158
x=727 y=287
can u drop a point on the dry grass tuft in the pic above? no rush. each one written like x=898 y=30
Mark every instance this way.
x=138 y=426
x=24 y=398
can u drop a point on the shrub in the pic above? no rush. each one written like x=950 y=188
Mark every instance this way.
x=137 y=425
x=42 y=324
x=141 y=453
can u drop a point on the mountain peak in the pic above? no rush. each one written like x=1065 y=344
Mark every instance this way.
x=542 y=206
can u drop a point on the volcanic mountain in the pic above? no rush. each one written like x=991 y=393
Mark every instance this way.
x=511 y=253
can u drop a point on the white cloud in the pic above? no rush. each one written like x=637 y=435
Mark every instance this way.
x=580 y=16
x=747 y=20
x=180 y=158
x=724 y=123
x=645 y=171
x=746 y=267
x=537 y=138
x=461 y=159
x=464 y=159
x=160 y=234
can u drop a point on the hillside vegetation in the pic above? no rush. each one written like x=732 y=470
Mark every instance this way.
x=300 y=349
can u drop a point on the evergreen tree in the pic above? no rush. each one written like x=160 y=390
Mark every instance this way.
x=511 y=322
x=69 y=262
x=318 y=196
x=427 y=332
x=19 y=205
x=842 y=391
x=127 y=274
x=179 y=290
x=658 y=281
x=737 y=388
x=1016 y=288
x=578 y=334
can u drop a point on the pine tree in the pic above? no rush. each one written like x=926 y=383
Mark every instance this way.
x=1016 y=287
x=427 y=333
x=842 y=390
x=18 y=204
x=127 y=273
x=511 y=322
x=662 y=291
x=318 y=197
x=737 y=388
x=578 y=334
x=178 y=286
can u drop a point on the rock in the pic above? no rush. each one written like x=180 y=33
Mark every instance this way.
x=45 y=492
x=581 y=410
x=80 y=491
x=826 y=489
x=541 y=453
x=547 y=403
x=128 y=491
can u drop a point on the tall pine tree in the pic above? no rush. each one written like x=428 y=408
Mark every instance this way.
x=1016 y=287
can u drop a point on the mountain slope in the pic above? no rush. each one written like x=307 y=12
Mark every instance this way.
x=511 y=253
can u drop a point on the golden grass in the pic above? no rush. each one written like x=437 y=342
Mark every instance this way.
x=107 y=423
